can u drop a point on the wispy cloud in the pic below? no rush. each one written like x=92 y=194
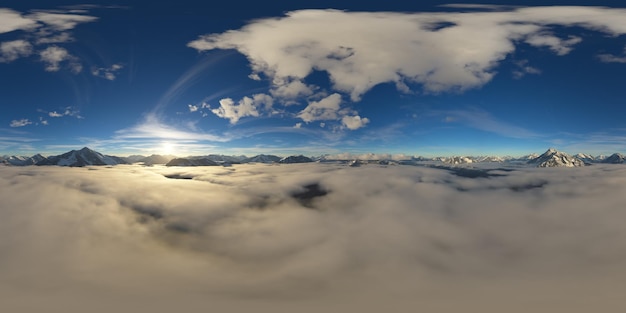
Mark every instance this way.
x=109 y=73
x=611 y=58
x=598 y=142
x=482 y=120
x=153 y=128
x=20 y=123
x=68 y=111
x=42 y=28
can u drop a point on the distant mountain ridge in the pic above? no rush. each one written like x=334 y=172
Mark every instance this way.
x=89 y=157
x=82 y=157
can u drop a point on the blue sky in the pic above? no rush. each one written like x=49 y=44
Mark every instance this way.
x=328 y=77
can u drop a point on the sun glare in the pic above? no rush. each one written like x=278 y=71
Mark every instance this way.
x=166 y=148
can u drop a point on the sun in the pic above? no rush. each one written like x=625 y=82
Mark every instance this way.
x=166 y=148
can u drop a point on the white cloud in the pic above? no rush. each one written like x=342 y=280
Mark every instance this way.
x=108 y=73
x=354 y=122
x=61 y=22
x=68 y=111
x=13 y=50
x=42 y=27
x=20 y=123
x=53 y=56
x=235 y=240
x=431 y=52
x=610 y=58
x=325 y=109
x=246 y=107
x=192 y=108
x=557 y=45
x=298 y=125
x=291 y=90
x=11 y=21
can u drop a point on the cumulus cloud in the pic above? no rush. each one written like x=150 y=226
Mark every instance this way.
x=53 y=56
x=417 y=52
x=246 y=107
x=108 y=73
x=13 y=50
x=291 y=90
x=11 y=21
x=460 y=56
x=368 y=238
x=354 y=122
x=325 y=109
x=20 y=123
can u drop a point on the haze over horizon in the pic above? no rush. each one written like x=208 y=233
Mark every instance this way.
x=422 y=78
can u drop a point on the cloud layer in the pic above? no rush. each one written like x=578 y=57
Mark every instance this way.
x=427 y=52
x=368 y=239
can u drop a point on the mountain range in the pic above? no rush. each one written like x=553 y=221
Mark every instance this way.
x=88 y=157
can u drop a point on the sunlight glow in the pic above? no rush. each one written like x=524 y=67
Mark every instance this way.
x=166 y=148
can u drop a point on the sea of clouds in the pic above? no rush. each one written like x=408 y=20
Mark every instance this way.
x=311 y=238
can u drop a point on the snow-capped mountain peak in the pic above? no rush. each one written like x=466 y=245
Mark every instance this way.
x=554 y=158
x=82 y=157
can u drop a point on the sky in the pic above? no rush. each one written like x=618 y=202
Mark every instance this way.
x=427 y=78
x=129 y=239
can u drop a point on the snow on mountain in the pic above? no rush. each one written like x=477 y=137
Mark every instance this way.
x=615 y=158
x=295 y=159
x=191 y=162
x=527 y=157
x=220 y=158
x=496 y=159
x=261 y=158
x=355 y=163
x=458 y=160
x=587 y=158
x=82 y=157
x=554 y=158
x=23 y=161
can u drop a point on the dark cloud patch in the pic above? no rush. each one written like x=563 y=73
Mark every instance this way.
x=179 y=176
x=308 y=193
